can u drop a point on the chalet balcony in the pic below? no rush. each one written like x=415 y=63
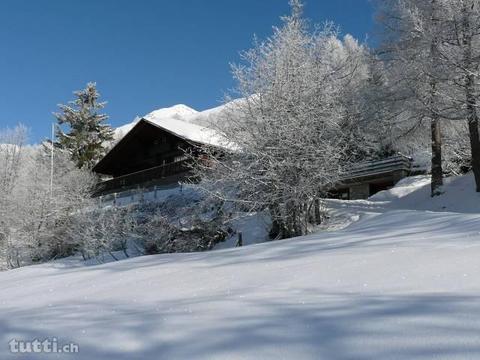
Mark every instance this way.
x=166 y=174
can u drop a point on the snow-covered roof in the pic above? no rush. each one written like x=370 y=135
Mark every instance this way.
x=187 y=131
x=184 y=122
x=178 y=112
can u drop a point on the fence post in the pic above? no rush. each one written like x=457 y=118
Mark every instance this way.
x=240 y=239
x=155 y=192
x=114 y=199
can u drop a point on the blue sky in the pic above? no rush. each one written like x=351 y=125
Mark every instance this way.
x=143 y=54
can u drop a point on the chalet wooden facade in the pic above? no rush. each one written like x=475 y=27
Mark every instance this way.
x=149 y=154
x=152 y=154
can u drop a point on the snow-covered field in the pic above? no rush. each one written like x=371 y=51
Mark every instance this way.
x=401 y=282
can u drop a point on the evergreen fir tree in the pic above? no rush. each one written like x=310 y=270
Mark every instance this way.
x=87 y=133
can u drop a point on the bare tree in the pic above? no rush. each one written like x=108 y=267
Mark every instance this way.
x=12 y=143
x=461 y=53
x=413 y=38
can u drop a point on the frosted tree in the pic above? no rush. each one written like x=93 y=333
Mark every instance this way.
x=435 y=75
x=12 y=143
x=461 y=53
x=362 y=121
x=413 y=41
x=286 y=139
x=87 y=135
x=38 y=217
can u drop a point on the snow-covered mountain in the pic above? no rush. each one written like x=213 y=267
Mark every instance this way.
x=180 y=113
x=209 y=117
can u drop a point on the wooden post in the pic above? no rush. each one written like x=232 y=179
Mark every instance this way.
x=240 y=239
x=155 y=192
x=114 y=199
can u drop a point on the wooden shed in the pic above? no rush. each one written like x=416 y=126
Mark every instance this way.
x=367 y=178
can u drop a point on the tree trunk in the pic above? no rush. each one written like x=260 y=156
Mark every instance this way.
x=277 y=230
x=475 y=148
x=473 y=130
x=472 y=115
x=437 y=171
x=295 y=213
x=318 y=215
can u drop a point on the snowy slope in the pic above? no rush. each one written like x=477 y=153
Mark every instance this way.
x=211 y=117
x=414 y=192
x=400 y=283
x=207 y=117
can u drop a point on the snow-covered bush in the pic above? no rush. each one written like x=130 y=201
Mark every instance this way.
x=181 y=223
x=94 y=232
x=37 y=208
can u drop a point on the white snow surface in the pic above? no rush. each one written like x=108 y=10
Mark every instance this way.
x=401 y=282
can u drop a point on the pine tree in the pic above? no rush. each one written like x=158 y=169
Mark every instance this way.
x=87 y=133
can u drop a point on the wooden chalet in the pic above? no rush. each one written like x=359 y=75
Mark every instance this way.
x=152 y=153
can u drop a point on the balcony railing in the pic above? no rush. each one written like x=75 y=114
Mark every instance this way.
x=163 y=174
